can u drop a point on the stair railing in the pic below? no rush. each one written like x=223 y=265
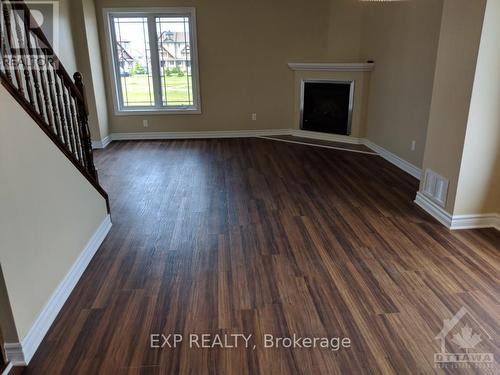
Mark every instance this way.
x=33 y=74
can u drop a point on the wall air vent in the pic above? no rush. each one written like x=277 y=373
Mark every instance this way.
x=435 y=187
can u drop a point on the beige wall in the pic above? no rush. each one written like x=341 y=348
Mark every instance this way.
x=455 y=68
x=479 y=181
x=48 y=212
x=243 y=49
x=345 y=30
x=402 y=38
x=91 y=28
x=90 y=65
x=66 y=43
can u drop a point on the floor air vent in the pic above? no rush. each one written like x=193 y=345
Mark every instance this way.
x=435 y=187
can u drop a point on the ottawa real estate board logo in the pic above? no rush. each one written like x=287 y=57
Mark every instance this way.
x=464 y=343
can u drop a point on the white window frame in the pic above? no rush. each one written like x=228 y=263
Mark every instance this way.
x=114 y=70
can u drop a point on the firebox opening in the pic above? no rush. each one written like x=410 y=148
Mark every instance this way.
x=327 y=106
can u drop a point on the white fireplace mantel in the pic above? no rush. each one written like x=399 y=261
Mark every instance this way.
x=332 y=67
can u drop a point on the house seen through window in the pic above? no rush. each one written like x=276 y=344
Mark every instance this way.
x=154 y=60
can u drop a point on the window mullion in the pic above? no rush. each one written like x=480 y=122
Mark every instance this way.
x=116 y=64
x=155 y=61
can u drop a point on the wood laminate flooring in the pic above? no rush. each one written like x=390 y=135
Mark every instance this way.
x=254 y=236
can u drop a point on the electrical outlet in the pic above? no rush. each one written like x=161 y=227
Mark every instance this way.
x=145 y=123
x=413 y=145
x=254 y=116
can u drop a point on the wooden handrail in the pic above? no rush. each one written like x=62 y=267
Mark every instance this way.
x=45 y=89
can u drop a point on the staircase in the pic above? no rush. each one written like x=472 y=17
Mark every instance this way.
x=36 y=78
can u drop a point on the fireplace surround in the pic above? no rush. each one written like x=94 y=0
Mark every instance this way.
x=357 y=73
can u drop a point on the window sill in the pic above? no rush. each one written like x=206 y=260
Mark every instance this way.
x=142 y=112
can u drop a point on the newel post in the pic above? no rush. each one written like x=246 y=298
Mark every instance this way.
x=83 y=115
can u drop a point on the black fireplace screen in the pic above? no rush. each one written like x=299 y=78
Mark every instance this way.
x=327 y=107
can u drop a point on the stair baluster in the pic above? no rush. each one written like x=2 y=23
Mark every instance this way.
x=12 y=47
x=34 y=70
x=78 y=136
x=45 y=90
x=60 y=108
x=69 y=121
x=55 y=111
x=21 y=41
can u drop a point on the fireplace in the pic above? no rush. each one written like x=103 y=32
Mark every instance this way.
x=326 y=106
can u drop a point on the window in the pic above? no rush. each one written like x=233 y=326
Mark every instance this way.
x=154 y=60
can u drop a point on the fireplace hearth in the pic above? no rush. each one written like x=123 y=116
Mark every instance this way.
x=327 y=106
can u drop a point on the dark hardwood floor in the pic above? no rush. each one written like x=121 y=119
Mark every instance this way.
x=255 y=236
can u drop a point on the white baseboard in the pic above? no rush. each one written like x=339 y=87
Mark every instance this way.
x=325 y=136
x=6 y=370
x=396 y=160
x=198 y=134
x=21 y=353
x=103 y=143
x=476 y=221
x=437 y=212
x=455 y=222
